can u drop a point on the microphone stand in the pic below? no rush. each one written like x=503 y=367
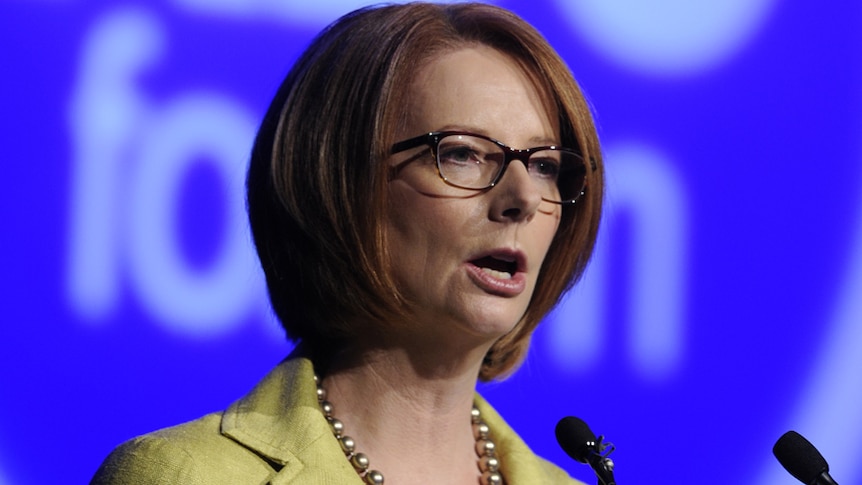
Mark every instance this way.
x=599 y=461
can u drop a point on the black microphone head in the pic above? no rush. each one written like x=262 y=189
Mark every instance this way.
x=575 y=437
x=799 y=457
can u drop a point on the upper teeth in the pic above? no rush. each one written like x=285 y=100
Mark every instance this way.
x=497 y=274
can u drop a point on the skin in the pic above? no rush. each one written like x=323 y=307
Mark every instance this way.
x=405 y=395
x=437 y=231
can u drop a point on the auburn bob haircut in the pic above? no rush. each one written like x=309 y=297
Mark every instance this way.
x=317 y=180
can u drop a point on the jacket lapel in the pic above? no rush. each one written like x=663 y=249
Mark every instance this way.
x=281 y=421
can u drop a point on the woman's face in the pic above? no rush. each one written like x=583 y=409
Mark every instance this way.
x=470 y=259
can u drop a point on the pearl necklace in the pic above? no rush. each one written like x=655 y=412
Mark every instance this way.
x=488 y=462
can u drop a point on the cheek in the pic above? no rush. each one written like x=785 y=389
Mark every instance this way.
x=418 y=245
x=413 y=229
x=547 y=225
x=543 y=235
x=406 y=218
x=421 y=216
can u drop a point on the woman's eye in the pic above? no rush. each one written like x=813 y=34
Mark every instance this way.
x=459 y=155
x=545 y=167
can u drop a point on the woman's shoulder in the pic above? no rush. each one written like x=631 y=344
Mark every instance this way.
x=554 y=474
x=522 y=465
x=190 y=453
x=274 y=433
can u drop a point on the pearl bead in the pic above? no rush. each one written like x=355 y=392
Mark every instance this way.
x=337 y=427
x=492 y=478
x=326 y=406
x=360 y=461
x=475 y=415
x=489 y=464
x=374 y=477
x=481 y=431
x=348 y=446
x=485 y=447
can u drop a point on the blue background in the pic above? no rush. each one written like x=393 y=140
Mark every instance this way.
x=723 y=307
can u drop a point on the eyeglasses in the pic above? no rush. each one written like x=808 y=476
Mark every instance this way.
x=470 y=161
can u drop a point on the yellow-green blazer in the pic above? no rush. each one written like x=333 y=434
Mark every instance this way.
x=278 y=435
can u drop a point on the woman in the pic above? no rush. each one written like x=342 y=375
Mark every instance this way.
x=406 y=250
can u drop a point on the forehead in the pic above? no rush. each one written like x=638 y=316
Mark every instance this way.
x=478 y=87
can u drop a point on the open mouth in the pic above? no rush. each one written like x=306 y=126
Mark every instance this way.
x=502 y=268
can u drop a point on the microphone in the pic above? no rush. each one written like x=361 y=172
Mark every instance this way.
x=799 y=457
x=579 y=442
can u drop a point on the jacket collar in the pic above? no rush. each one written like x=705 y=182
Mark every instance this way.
x=281 y=420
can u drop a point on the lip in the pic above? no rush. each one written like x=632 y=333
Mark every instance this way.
x=508 y=287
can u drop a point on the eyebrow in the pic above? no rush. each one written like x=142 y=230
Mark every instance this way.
x=538 y=140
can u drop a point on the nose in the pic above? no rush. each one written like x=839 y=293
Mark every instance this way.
x=515 y=196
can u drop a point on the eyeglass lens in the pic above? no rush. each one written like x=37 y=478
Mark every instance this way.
x=472 y=162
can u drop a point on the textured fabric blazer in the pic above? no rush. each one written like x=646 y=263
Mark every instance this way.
x=276 y=435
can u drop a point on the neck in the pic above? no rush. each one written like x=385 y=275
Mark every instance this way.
x=409 y=411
